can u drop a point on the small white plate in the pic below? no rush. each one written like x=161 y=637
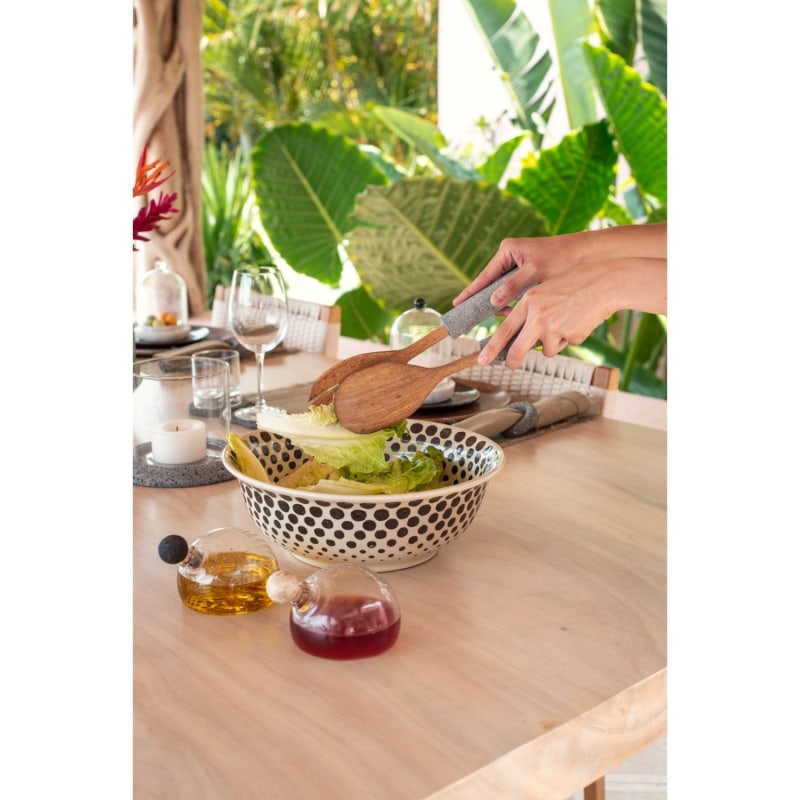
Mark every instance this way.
x=441 y=392
x=161 y=335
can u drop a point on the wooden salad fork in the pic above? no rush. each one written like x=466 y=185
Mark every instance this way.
x=455 y=323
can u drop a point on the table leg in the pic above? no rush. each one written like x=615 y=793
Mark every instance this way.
x=596 y=790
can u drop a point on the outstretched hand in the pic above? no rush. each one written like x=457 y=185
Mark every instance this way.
x=582 y=279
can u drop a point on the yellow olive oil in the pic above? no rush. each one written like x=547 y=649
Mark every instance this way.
x=230 y=583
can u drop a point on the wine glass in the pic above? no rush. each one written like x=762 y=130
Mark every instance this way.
x=258 y=314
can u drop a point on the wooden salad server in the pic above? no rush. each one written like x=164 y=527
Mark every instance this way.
x=455 y=323
x=384 y=394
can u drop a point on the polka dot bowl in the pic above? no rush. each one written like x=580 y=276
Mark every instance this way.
x=383 y=532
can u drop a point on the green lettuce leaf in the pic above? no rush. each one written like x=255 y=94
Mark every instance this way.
x=404 y=474
x=320 y=434
x=344 y=462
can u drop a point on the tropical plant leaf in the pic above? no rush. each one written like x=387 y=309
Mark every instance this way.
x=649 y=338
x=617 y=23
x=569 y=183
x=424 y=137
x=615 y=213
x=306 y=180
x=494 y=167
x=654 y=41
x=657 y=215
x=363 y=317
x=597 y=351
x=387 y=167
x=573 y=23
x=429 y=237
x=512 y=43
x=637 y=113
x=228 y=216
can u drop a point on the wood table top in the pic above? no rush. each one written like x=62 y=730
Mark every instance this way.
x=531 y=658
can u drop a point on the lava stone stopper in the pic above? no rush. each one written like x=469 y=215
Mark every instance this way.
x=173 y=548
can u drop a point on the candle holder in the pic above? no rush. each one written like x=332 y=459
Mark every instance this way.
x=181 y=421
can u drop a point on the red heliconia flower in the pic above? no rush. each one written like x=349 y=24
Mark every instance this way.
x=148 y=178
x=150 y=215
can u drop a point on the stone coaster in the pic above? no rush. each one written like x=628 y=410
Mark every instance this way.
x=146 y=472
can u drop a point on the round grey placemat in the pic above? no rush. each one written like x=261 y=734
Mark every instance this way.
x=146 y=472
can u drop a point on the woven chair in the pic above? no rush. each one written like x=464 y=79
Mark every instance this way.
x=538 y=376
x=313 y=327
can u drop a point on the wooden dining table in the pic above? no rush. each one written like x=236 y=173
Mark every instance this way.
x=531 y=661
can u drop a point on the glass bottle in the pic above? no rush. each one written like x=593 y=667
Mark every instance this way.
x=161 y=297
x=411 y=326
x=340 y=612
x=222 y=572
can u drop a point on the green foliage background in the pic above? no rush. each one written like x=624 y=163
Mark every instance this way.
x=327 y=124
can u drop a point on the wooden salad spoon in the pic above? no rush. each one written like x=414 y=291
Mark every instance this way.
x=455 y=323
x=384 y=394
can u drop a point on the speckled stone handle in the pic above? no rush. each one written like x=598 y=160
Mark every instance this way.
x=472 y=312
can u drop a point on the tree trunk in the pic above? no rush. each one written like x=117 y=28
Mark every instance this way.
x=168 y=120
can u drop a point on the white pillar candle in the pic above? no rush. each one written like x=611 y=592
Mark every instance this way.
x=179 y=441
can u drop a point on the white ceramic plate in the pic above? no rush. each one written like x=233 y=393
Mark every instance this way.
x=165 y=334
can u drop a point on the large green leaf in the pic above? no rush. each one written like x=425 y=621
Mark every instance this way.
x=597 y=351
x=494 y=167
x=569 y=183
x=306 y=180
x=618 y=26
x=363 y=317
x=512 y=43
x=429 y=237
x=649 y=338
x=425 y=137
x=654 y=41
x=573 y=23
x=637 y=112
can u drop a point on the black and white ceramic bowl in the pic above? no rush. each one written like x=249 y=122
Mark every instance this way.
x=383 y=532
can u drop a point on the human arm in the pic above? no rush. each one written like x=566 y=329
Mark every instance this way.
x=582 y=279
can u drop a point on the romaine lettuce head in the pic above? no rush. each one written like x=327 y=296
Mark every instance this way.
x=320 y=434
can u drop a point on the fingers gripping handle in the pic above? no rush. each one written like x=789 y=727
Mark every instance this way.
x=472 y=312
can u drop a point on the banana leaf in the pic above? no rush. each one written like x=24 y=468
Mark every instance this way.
x=573 y=23
x=637 y=113
x=624 y=24
x=512 y=43
x=429 y=237
x=305 y=180
x=618 y=26
x=570 y=183
x=654 y=41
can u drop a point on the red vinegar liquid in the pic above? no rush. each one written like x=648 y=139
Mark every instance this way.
x=347 y=626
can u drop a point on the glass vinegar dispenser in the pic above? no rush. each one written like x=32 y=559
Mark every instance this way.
x=222 y=572
x=161 y=297
x=340 y=612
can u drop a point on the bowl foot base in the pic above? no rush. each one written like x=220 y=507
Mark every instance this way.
x=378 y=566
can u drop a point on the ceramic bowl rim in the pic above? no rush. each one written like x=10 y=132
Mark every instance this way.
x=374 y=498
